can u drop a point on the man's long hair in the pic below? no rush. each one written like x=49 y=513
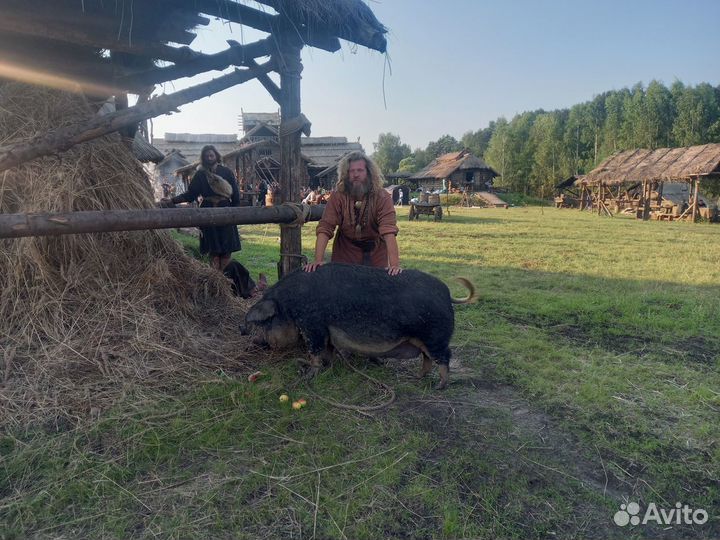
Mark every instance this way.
x=375 y=177
x=207 y=147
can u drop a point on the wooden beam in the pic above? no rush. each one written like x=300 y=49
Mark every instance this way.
x=65 y=138
x=266 y=81
x=235 y=55
x=291 y=162
x=24 y=225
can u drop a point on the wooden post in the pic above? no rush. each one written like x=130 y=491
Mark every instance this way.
x=647 y=192
x=291 y=164
x=696 y=189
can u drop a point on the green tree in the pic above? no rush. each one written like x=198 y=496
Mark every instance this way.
x=612 y=135
x=444 y=145
x=659 y=115
x=634 y=132
x=697 y=113
x=389 y=151
x=478 y=141
x=549 y=165
x=408 y=164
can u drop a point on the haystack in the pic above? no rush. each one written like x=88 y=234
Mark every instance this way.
x=85 y=319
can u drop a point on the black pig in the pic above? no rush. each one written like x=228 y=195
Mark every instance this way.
x=363 y=310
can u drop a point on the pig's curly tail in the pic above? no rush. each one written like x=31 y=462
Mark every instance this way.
x=358 y=408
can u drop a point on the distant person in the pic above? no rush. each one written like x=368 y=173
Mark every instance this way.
x=400 y=197
x=215 y=184
x=364 y=216
x=312 y=197
x=262 y=191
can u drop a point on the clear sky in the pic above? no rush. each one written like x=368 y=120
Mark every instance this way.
x=458 y=64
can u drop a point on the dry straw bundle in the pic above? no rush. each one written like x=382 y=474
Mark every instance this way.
x=84 y=318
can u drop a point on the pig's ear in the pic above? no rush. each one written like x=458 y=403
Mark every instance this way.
x=262 y=311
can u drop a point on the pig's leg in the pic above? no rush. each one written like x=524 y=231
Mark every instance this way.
x=444 y=370
x=426 y=366
x=317 y=343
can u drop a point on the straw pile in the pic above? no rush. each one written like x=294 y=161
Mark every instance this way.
x=85 y=318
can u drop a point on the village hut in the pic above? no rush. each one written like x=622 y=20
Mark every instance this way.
x=165 y=182
x=85 y=317
x=636 y=179
x=459 y=169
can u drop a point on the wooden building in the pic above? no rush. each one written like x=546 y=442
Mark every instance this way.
x=165 y=182
x=190 y=144
x=460 y=169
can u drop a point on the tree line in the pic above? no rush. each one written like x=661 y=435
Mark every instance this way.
x=537 y=149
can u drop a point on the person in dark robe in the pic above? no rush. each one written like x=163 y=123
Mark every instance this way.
x=215 y=186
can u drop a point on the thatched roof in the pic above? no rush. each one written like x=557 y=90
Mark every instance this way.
x=445 y=165
x=67 y=38
x=662 y=164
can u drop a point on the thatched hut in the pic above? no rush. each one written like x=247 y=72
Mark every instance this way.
x=635 y=179
x=461 y=169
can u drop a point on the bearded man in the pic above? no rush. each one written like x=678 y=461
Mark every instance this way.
x=364 y=216
x=217 y=187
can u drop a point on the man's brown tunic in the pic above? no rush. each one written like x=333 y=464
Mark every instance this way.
x=376 y=217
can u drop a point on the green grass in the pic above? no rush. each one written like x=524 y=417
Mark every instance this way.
x=587 y=372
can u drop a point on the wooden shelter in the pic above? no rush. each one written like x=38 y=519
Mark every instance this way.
x=106 y=49
x=634 y=179
x=464 y=170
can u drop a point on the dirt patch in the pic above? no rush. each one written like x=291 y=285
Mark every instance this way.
x=506 y=444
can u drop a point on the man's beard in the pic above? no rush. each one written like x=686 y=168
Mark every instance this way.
x=358 y=191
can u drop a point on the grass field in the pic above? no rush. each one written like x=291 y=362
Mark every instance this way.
x=586 y=376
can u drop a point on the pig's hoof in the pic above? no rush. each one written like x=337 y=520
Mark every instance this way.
x=311 y=372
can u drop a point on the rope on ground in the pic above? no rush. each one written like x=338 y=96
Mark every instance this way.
x=358 y=408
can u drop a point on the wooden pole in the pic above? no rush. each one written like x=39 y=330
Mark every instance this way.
x=647 y=193
x=20 y=225
x=291 y=163
x=696 y=189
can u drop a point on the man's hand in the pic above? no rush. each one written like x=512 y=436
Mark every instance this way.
x=311 y=267
x=394 y=270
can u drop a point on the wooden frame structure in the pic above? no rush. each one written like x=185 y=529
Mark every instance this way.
x=635 y=178
x=112 y=49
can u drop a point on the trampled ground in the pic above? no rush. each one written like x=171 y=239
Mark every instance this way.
x=586 y=377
